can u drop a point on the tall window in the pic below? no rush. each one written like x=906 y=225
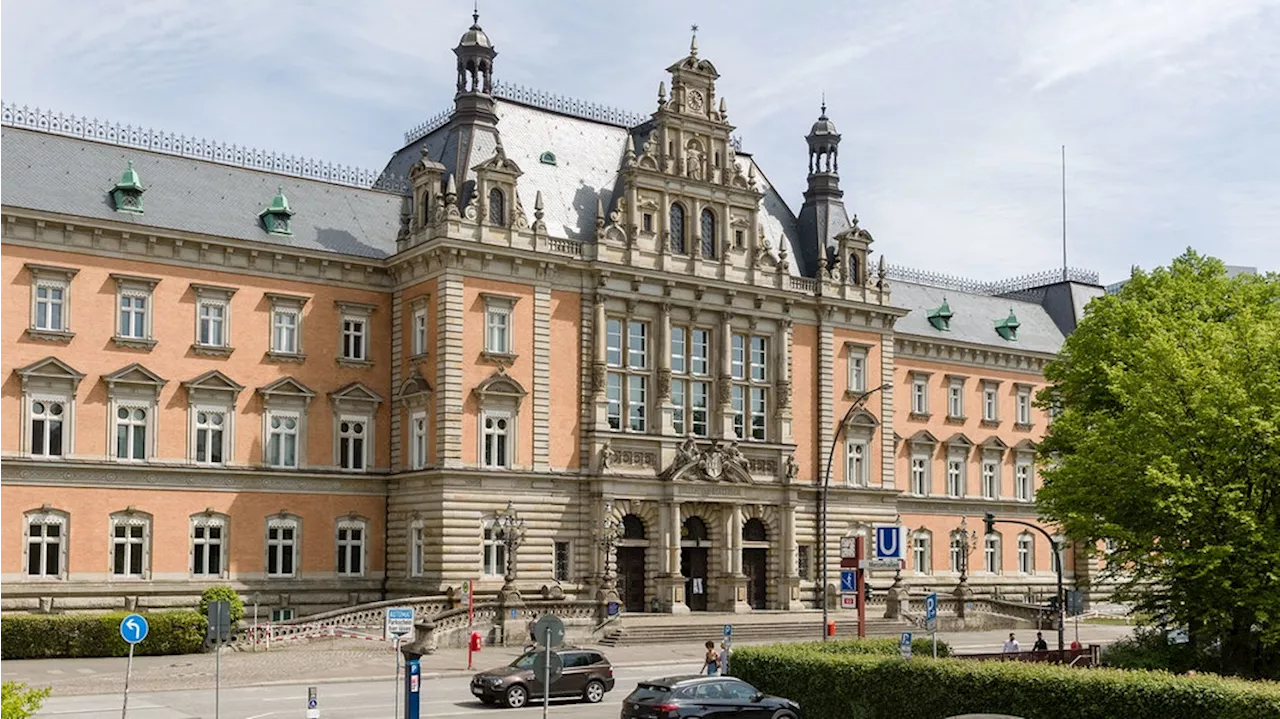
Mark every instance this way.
x=207 y=536
x=131 y=432
x=856 y=463
x=212 y=326
x=129 y=537
x=857 y=369
x=49 y=311
x=990 y=479
x=497 y=207
x=1022 y=481
x=282 y=439
x=563 y=557
x=495 y=552
x=209 y=436
x=282 y=546
x=955 y=477
x=748 y=394
x=956 y=553
x=418 y=440
x=920 y=475
x=353 y=443
x=1026 y=554
x=497 y=447
x=677 y=229
x=691 y=380
x=133 y=316
x=420 y=331
x=46 y=537
x=919 y=395
x=627 y=354
x=991 y=553
x=355 y=339
x=46 y=427
x=990 y=403
x=708 y=234
x=351 y=547
x=284 y=331
x=1024 y=405
x=417 y=549
x=955 y=399
x=922 y=553
x=497 y=330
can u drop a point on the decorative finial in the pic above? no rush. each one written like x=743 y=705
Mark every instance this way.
x=693 y=44
x=475 y=12
x=662 y=91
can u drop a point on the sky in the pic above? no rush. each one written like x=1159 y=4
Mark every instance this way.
x=953 y=114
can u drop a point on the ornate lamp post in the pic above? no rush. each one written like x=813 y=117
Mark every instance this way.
x=609 y=535
x=511 y=529
x=969 y=542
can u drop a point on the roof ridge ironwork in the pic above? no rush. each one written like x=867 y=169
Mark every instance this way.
x=1021 y=283
x=169 y=143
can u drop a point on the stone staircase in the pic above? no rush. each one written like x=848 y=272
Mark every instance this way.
x=747 y=628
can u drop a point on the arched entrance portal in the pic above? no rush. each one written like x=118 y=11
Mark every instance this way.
x=693 y=563
x=631 y=552
x=755 y=562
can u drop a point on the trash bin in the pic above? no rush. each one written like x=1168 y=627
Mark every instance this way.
x=831 y=627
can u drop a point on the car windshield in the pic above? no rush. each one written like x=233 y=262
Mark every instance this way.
x=648 y=693
x=525 y=661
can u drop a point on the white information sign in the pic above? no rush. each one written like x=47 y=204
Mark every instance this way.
x=399 y=622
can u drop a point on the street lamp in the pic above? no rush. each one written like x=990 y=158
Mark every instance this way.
x=969 y=542
x=610 y=535
x=511 y=530
x=990 y=520
x=858 y=401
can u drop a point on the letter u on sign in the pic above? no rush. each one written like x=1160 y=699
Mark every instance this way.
x=890 y=542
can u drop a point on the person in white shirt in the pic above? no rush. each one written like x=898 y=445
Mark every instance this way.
x=1012 y=646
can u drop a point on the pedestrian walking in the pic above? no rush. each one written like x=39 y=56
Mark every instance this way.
x=724 y=657
x=1012 y=646
x=711 y=660
x=1041 y=645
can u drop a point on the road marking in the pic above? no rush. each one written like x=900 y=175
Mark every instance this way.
x=85 y=671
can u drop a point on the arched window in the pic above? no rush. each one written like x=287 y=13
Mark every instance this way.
x=855 y=271
x=677 y=229
x=957 y=551
x=754 y=531
x=922 y=552
x=632 y=527
x=495 y=551
x=694 y=530
x=991 y=553
x=708 y=234
x=1026 y=553
x=497 y=208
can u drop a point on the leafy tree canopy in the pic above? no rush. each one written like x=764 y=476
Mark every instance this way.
x=1168 y=444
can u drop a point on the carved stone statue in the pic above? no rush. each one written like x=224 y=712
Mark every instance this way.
x=793 y=468
x=687 y=453
x=734 y=456
x=607 y=455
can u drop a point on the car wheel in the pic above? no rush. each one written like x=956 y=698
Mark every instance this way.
x=784 y=714
x=594 y=692
x=517 y=696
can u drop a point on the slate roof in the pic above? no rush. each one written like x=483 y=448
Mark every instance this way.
x=974 y=318
x=73 y=176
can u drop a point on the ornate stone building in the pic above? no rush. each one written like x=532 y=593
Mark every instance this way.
x=325 y=386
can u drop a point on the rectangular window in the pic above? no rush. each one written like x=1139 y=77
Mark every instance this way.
x=856 y=464
x=46 y=427
x=613 y=343
x=748 y=395
x=206 y=549
x=857 y=369
x=698 y=351
x=678 y=350
x=990 y=480
x=738 y=357
x=698 y=393
x=613 y=394
x=689 y=395
x=919 y=396
x=920 y=555
x=1022 y=482
x=636 y=403
x=282 y=614
x=990 y=404
x=678 y=399
x=1025 y=560
x=759 y=359
x=562 y=561
x=919 y=475
x=955 y=399
x=284 y=332
x=353 y=444
x=281 y=547
x=758 y=402
x=128 y=539
x=354 y=338
x=955 y=478
x=44 y=548
x=498 y=330
x=991 y=554
x=213 y=319
x=627 y=390
x=131 y=432
x=647 y=222
x=133 y=316
x=804 y=561
x=497 y=446
x=282 y=439
x=737 y=401
x=1024 y=406
x=417 y=550
x=637 y=345
x=351 y=549
x=495 y=552
x=418 y=440
x=50 y=306
x=420 y=331
x=210 y=426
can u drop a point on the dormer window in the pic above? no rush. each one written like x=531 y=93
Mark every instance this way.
x=127 y=194
x=276 y=217
x=1008 y=327
x=941 y=317
x=497 y=208
x=547 y=158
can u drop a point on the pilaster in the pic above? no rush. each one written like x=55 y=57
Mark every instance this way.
x=783 y=384
x=888 y=465
x=665 y=408
x=397 y=373
x=541 y=377
x=724 y=408
x=450 y=319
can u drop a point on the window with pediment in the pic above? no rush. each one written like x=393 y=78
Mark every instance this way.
x=284 y=423
x=133 y=393
x=355 y=407
x=499 y=397
x=48 y=406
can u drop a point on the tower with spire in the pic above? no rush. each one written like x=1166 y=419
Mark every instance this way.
x=823 y=215
x=475 y=54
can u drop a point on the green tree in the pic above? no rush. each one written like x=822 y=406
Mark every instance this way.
x=1168 y=444
x=19 y=702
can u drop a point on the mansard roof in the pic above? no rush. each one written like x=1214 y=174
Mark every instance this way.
x=973 y=318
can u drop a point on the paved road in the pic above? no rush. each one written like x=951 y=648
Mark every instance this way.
x=444 y=697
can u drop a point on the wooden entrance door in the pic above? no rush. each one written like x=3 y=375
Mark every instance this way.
x=755 y=564
x=631 y=577
x=693 y=565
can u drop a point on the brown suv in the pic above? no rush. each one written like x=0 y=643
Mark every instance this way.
x=587 y=674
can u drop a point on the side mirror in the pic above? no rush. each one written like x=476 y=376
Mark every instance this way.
x=757 y=697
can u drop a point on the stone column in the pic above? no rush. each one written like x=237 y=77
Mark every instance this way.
x=670 y=581
x=598 y=364
x=735 y=539
x=789 y=587
x=782 y=382
x=723 y=404
x=665 y=408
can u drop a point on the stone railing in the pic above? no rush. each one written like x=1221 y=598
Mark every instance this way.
x=561 y=246
x=804 y=284
x=966 y=613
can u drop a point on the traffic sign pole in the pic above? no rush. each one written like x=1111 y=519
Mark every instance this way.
x=124 y=710
x=395 y=713
x=546 y=677
x=862 y=596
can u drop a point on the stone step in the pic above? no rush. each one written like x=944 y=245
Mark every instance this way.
x=755 y=632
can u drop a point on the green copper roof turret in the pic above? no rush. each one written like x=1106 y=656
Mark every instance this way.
x=1008 y=327
x=127 y=194
x=275 y=217
x=941 y=317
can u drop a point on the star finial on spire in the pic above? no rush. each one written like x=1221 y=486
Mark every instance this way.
x=824 y=103
x=693 y=44
x=475 y=12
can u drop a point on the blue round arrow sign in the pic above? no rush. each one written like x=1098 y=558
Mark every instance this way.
x=134 y=628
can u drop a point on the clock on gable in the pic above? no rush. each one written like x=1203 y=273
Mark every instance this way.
x=696 y=100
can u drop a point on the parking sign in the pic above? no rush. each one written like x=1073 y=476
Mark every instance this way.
x=931 y=612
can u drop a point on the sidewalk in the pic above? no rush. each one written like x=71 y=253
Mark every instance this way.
x=346 y=660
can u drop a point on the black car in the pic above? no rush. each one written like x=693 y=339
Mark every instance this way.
x=701 y=696
x=587 y=674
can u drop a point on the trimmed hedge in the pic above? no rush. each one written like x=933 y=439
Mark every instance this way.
x=58 y=636
x=864 y=686
x=880 y=646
